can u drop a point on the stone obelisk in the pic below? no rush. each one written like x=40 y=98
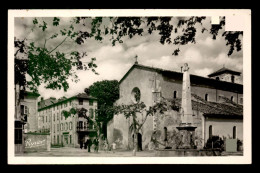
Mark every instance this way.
x=186 y=128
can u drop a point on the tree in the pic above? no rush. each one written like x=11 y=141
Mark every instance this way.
x=106 y=92
x=181 y=33
x=46 y=64
x=137 y=110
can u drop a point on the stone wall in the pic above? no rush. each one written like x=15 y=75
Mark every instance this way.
x=37 y=142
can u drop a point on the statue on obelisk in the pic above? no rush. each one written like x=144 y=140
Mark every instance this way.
x=186 y=128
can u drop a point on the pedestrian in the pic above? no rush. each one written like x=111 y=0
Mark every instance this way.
x=114 y=147
x=89 y=145
x=81 y=143
x=97 y=144
x=86 y=144
x=105 y=146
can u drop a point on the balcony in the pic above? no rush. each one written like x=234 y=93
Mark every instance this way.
x=86 y=129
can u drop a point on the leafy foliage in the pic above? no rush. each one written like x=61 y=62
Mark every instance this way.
x=106 y=92
x=48 y=65
x=67 y=114
x=181 y=33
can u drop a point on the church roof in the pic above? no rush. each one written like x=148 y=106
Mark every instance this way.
x=57 y=102
x=223 y=70
x=213 y=109
x=195 y=80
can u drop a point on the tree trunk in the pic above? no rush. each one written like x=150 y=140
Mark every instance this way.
x=135 y=145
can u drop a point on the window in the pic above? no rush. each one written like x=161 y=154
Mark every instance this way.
x=90 y=102
x=24 y=110
x=54 y=140
x=61 y=116
x=210 y=131
x=61 y=106
x=80 y=101
x=57 y=116
x=234 y=132
x=42 y=119
x=54 y=117
x=175 y=94
x=46 y=119
x=241 y=100
x=67 y=126
x=206 y=97
x=58 y=139
x=70 y=125
x=232 y=78
x=91 y=113
x=136 y=95
x=53 y=128
x=61 y=127
x=70 y=103
x=58 y=128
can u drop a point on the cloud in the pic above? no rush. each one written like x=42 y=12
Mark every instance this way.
x=204 y=57
x=203 y=72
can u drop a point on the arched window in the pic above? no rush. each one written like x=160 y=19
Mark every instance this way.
x=210 y=131
x=136 y=95
x=70 y=125
x=175 y=94
x=217 y=78
x=234 y=132
x=206 y=97
x=232 y=98
x=232 y=78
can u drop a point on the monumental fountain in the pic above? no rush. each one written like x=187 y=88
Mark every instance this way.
x=186 y=128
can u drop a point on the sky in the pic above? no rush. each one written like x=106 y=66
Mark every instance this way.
x=204 y=57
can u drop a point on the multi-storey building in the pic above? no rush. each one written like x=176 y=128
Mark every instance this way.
x=68 y=130
x=25 y=116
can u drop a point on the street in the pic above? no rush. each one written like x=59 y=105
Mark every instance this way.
x=77 y=152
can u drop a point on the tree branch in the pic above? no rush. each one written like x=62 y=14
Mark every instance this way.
x=58 y=45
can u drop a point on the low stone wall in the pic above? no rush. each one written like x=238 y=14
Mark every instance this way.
x=35 y=142
x=186 y=152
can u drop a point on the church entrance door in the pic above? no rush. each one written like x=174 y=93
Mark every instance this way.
x=139 y=142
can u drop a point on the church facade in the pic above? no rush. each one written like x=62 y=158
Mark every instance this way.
x=217 y=106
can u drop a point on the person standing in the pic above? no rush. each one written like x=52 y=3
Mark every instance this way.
x=89 y=145
x=114 y=147
x=81 y=143
x=97 y=144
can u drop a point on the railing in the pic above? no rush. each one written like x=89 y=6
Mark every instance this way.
x=85 y=128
